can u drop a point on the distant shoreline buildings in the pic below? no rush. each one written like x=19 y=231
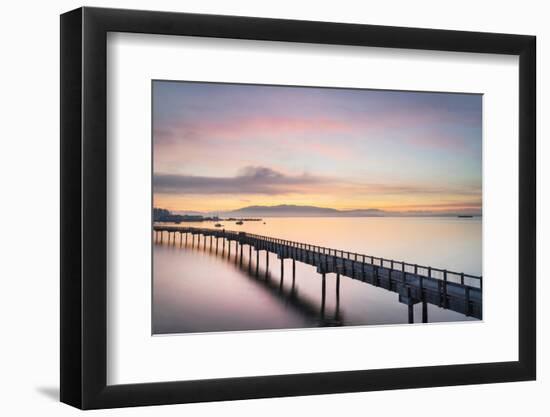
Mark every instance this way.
x=165 y=216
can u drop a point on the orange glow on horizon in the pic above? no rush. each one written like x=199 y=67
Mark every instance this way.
x=442 y=204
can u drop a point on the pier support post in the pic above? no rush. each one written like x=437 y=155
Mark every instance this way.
x=282 y=275
x=217 y=240
x=266 y=262
x=445 y=301
x=411 y=313
x=257 y=261
x=323 y=294
x=241 y=256
x=424 y=312
x=467 y=301
x=181 y=239
x=186 y=239
x=337 y=286
x=337 y=310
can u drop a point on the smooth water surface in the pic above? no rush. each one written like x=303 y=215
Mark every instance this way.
x=196 y=289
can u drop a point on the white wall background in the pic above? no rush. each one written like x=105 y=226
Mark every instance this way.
x=29 y=175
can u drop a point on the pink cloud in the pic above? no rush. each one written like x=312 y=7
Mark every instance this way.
x=238 y=127
x=296 y=133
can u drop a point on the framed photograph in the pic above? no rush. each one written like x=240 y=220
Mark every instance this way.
x=258 y=207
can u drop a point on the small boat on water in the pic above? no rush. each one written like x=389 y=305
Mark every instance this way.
x=239 y=222
x=218 y=225
x=464 y=216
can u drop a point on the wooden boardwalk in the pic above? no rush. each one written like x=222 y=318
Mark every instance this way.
x=413 y=283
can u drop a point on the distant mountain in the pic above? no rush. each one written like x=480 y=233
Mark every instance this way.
x=288 y=210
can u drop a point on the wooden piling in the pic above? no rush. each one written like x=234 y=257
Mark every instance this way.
x=467 y=301
x=323 y=294
x=445 y=300
x=424 y=312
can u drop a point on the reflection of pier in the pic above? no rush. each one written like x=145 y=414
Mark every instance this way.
x=305 y=307
x=413 y=283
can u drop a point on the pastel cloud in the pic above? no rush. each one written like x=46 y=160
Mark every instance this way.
x=251 y=180
x=267 y=181
x=278 y=127
x=236 y=128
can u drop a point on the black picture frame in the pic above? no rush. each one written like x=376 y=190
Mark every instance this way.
x=84 y=207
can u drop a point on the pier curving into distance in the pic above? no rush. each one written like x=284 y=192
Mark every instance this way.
x=413 y=283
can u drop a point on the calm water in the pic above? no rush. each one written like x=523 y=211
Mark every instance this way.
x=197 y=290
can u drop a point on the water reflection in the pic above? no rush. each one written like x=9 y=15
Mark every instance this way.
x=203 y=284
x=265 y=279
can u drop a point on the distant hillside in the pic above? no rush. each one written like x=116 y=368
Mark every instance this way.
x=286 y=210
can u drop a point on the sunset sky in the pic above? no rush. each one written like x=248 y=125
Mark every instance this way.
x=219 y=147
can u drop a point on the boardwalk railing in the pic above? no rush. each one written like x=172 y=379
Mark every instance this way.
x=415 y=283
x=393 y=265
